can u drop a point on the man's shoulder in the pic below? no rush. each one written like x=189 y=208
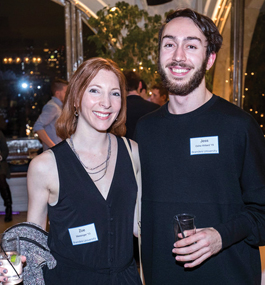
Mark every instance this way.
x=152 y=116
x=231 y=110
x=152 y=105
x=137 y=99
x=54 y=102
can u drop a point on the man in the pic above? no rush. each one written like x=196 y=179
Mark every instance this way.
x=45 y=124
x=143 y=91
x=136 y=105
x=5 y=173
x=159 y=94
x=204 y=156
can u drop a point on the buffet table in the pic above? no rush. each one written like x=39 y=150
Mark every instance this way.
x=21 y=152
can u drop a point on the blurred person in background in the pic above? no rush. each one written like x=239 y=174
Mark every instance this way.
x=159 y=94
x=4 y=173
x=45 y=124
x=143 y=91
x=136 y=105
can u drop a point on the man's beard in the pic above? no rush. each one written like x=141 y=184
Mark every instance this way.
x=175 y=87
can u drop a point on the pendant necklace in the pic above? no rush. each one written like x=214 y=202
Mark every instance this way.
x=88 y=169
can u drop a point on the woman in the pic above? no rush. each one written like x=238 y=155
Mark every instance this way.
x=86 y=183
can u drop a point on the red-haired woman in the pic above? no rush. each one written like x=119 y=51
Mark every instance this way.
x=86 y=183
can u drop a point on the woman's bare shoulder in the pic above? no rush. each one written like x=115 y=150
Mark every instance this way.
x=43 y=162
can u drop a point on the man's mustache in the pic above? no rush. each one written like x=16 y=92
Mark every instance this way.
x=179 y=64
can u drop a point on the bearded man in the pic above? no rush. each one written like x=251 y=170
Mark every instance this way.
x=204 y=156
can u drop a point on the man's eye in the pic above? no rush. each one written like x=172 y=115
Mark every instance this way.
x=168 y=45
x=191 y=47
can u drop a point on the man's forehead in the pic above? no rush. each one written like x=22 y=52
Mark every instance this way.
x=183 y=27
x=155 y=91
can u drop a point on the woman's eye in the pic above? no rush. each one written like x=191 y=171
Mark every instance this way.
x=116 y=94
x=92 y=90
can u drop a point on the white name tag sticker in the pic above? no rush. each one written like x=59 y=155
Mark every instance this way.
x=204 y=145
x=83 y=234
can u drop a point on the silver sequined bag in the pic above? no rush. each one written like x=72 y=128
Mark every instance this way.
x=33 y=244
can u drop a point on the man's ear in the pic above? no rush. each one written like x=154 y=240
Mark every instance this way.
x=57 y=93
x=164 y=97
x=211 y=60
x=140 y=86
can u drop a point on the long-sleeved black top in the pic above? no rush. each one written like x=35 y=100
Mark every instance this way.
x=223 y=185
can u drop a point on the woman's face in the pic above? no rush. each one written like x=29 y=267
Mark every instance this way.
x=101 y=102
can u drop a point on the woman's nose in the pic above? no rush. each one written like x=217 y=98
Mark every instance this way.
x=105 y=102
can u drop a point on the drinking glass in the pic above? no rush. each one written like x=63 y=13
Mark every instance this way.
x=10 y=259
x=184 y=223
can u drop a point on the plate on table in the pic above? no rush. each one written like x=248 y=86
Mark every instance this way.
x=19 y=161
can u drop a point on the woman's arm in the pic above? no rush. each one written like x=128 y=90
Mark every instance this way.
x=43 y=184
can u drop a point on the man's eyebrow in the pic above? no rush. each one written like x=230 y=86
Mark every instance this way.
x=185 y=39
x=193 y=38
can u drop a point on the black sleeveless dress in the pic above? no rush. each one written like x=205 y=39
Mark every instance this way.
x=109 y=259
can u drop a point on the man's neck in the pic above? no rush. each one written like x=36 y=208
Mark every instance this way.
x=179 y=104
x=134 y=92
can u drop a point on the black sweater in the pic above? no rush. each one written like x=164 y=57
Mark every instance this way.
x=224 y=190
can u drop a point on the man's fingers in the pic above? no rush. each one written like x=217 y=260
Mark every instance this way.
x=198 y=261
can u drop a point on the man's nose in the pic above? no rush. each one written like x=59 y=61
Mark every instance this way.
x=179 y=54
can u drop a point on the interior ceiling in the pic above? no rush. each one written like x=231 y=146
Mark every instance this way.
x=155 y=6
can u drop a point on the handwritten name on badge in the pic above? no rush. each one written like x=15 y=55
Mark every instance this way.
x=204 y=145
x=83 y=234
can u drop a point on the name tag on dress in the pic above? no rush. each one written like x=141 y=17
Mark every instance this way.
x=83 y=234
x=204 y=145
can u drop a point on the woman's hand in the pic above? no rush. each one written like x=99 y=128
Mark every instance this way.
x=5 y=271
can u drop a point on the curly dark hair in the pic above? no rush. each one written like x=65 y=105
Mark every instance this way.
x=204 y=23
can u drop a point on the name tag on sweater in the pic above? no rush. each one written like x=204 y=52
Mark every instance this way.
x=83 y=234
x=204 y=145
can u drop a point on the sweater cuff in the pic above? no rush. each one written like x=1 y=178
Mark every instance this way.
x=234 y=231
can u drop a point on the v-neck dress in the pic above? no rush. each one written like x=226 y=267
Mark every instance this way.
x=108 y=258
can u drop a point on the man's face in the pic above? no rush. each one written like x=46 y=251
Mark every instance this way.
x=61 y=93
x=156 y=98
x=182 y=59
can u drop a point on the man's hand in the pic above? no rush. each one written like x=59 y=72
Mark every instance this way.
x=198 y=247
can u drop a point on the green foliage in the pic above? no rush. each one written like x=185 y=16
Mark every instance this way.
x=129 y=36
